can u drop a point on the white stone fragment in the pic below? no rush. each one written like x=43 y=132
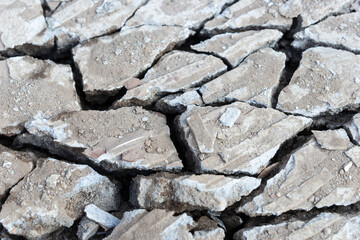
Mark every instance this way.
x=229 y=117
x=105 y=219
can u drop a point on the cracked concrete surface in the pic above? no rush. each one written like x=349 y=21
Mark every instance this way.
x=162 y=119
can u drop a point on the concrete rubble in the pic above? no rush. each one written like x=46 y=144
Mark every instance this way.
x=176 y=71
x=245 y=145
x=326 y=82
x=127 y=138
x=106 y=63
x=87 y=228
x=253 y=81
x=323 y=226
x=318 y=174
x=354 y=127
x=336 y=31
x=190 y=192
x=105 y=219
x=54 y=195
x=235 y=47
x=27 y=89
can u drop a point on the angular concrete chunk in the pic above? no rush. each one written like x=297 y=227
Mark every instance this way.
x=176 y=71
x=246 y=147
x=247 y=14
x=106 y=63
x=87 y=228
x=13 y=167
x=30 y=86
x=323 y=226
x=234 y=47
x=79 y=20
x=354 y=127
x=127 y=138
x=105 y=219
x=156 y=224
x=54 y=195
x=190 y=192
x=23 y=28
x=313 y=177
x=313 y=11
x=354 y=155
x=213 y=234
x=333 y=139
x=327 y=81
x=185 y=13
x=340 y=31
x=253 y=81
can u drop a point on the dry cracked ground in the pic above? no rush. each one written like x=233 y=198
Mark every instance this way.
x=169 y=119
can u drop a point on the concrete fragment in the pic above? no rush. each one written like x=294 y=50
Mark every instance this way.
x=354 y=155
x=246 y=147
x=13 y=167
x=323 y=226
x=106 y=63
x=253 y=81
x=23 y=28
x=333 y=139
x=176 y=71
x=229 y=117
x=235 y=47
x=336 y=31
x=354 y=127
x=213 y=234
x=185 y=13
x=87 y=228
x=325 y=82
x=313 y=11
x=178 y=102
x=127 y=138
x=54 y=195
x=247 y=14
x=105 y=219
x=30 y=86
x=190 y=192
x=78 y=20
x=156 y=224
x=313 y=177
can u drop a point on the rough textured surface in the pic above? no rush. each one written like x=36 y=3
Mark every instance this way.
x=78 y=20
x=185 y=13
x=53 y=195
x=323 y=226
x=317 y=175
x=139 y=224
x=13 y=167
x=106 y=63
x=127 y=138
x=105 y=219
x=30 y=86
x=23 y=28
x=247 y=14
x=327 y=81
x=254 y=81
x=87 y=228
x=246 y=147
x=189 y=192
x=213 y=234
x=354 y=127
x=175 y=71
x=235 y=47
x=340 y=31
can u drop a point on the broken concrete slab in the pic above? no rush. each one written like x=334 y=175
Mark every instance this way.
x=156 y=224
x=335 y=31
x=248 y=14
x=189 y=192
x=235 y=47
x=87 y=228
x=246 y=147
x=177 y=103
x=326 y=82
x=127 y=138
x=54 y=195
x=313 y=11
x=105 y=219
x=186 y=13
x=23 y=28
x=215 y=234
x=354 y=127
x=106 y=63
x=79 y=20
x=323 y=226
x=176 y=71
x=316 y=175
x=30 y=86
x=14 y=166
x=253 y=81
